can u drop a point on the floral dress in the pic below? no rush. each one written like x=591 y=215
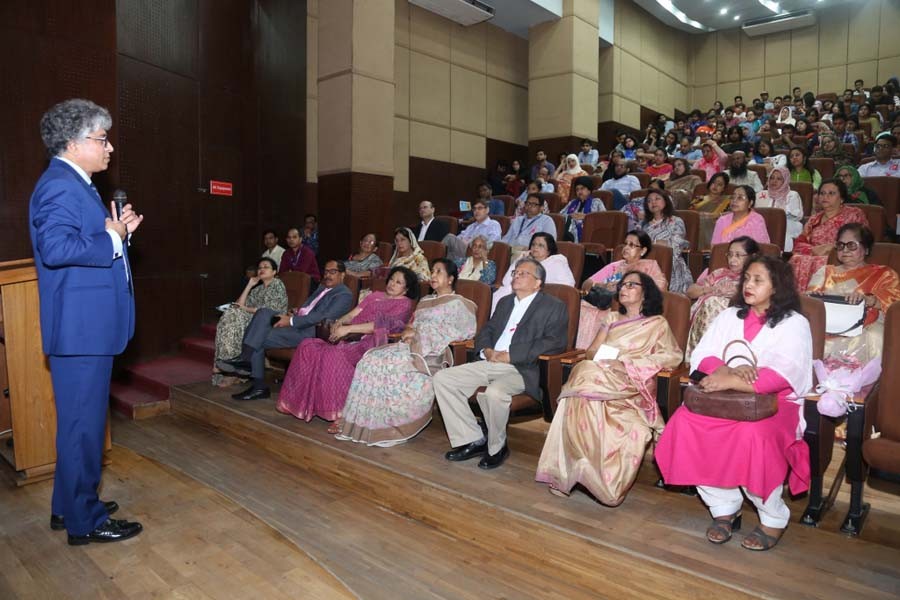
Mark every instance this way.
x=391 y=397
x=671 y=230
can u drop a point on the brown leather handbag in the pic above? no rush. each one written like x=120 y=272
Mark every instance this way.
x=733 y=405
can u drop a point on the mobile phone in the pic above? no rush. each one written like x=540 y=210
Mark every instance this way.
x=697 y=376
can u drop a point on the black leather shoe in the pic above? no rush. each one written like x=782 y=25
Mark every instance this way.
x=237 y=366
x=252 y=393
x=492 y=461
x=466 y=452
x=58 y=522
x=111 y=531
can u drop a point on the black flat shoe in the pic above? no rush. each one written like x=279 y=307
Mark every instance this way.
x=238 y=366
x=492 y=461
x=58 y=522
x=252 y=393
x=111 y=531
x=466 y=452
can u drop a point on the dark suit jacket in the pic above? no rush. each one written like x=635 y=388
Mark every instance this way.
x=334 y=305
x=542 y=330
x=437 y=231
x=87 y=307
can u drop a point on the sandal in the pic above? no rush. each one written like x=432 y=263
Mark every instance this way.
x=766 y=541
x=724 y=526
x=557 y=492
x=335 y=427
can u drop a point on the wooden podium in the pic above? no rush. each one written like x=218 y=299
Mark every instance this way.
x=28 y=412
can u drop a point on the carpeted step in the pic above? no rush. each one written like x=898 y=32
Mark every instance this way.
x=135 y=403
x=156 y=376
x=208 y=330
x=199 y=348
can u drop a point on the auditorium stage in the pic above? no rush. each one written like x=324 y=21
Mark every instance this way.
x=404 y=523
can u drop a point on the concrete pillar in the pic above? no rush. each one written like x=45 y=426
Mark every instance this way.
x=563 y=63
x=355 y=121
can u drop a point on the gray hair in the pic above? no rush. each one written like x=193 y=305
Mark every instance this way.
x=487 y=243
x=71 y=121
x=541 y=271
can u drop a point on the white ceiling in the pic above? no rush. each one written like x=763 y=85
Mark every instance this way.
x=707 y=12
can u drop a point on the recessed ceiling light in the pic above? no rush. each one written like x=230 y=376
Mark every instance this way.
x=723 y=11
x=737 y=17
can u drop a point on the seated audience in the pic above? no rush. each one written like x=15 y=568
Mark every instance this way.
x=812 y=246
x=713 y=160
x=515 y=179
x=778 y=194
x=588 y=156
x=620 y=184
x=736 y=141
x=723 y=457
x=542 y=249
x=273 y=250
x=798 y=165
x=311 y=233
x=742 y=220
x=477 y=267
x=883 y=165
x=298 y=257
x=857 y=192
x=319 y=376
x=681 y=183
x=830 y=147
x=607 y=413
x=483 y=225
x=659 y=168
x=391 y=396
x=839 y=124
x=667 y=229
x=533 y=187
x=739 y=174
x=637 y=245
x=711 y=206
x=365 y=261
x=264 y=290
x=496 y=206
x=525 y=325
x=867 y=114
x=566 y=174
x=541 y=163
x=329 y=301
x=523 y=228
x=671 y=143
x=429 y=228
x=764 y=154
x=582 y=204
x=687 y=151
x=407 y=253
x=876 y=285
x=714 y=290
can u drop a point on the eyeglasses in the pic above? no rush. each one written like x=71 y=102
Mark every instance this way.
x=736 y=255
x=630 y=285
x=332 y=271
x=630 y=245
x=523 y=273
x=104 y=141
x=848 y=246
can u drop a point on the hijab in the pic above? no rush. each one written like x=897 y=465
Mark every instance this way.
x=577 y=169
x=779 y=195
x=855 y=191
x=413 y=242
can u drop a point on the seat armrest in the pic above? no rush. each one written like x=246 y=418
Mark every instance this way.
x=594 y=248
x=668 y=388
x=460 y=351
x=572 y=357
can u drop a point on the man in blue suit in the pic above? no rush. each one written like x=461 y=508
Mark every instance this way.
x=87 y=309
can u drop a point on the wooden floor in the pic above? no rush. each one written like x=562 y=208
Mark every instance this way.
x=196 y=544
x=404 y=523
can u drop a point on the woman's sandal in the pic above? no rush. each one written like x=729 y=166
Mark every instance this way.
x=724 y=526
x=557 y=492
x=335 y=427
x=766 y=541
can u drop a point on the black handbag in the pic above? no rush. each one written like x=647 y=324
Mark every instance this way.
x=600 y=297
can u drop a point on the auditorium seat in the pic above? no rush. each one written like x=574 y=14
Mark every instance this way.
x=297 y=285
x=694 y=256
x=883 y=411
x=699 y=173
x=500 y=254
x=677 y=311
x=560 y=222
x=603 y=230
x=776 y=223
x=480 y=294
x=385 y=251
x=888 y=191
x=876 y=218
x=761 y=172
x=596 y=182
x=825 y=166
x=718 y=258
x=606 y=196
x=452 y=223
x=504 y=222
x=641 y=193
x=643 y=178
x=433 y=250
x=806 y=195
x=887 y=254
x=509 y=204
x=554 y=202
x=574 y=254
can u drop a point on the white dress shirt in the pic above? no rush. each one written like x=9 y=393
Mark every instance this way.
x=520 y=307
x=424 y=229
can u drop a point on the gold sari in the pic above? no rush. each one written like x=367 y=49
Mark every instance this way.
x=607 y=412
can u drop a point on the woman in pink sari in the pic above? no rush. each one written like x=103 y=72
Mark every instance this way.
x=722 y=457
x=637 y=245
x=742 y=220
x=812 y=247
x=321 y=371
x=607 y=411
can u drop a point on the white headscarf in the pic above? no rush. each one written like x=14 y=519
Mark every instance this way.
x=577 y=168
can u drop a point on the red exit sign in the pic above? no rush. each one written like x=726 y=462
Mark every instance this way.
x=220 y=188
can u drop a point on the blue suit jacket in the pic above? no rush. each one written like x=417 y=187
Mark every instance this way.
x=87 y=307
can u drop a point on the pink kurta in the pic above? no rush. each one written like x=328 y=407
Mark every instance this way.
x=700 y=450
x=320 y=373
x=753 y=227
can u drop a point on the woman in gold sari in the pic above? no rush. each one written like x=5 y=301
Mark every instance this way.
x=607 y=411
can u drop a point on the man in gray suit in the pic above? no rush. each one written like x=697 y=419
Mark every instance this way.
x=331 y=300
x=525 y=325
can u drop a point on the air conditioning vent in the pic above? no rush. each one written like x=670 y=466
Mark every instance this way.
x=464 y=12
x=777 y=23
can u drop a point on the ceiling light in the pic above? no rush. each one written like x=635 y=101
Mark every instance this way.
x=678 y=14
x=723 y=11
x=737 y=17
x=773 y=6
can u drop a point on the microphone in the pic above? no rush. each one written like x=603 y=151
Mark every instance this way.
x=120 y=198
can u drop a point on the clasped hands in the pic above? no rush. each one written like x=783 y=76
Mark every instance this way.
x=730 y=378
x=492 y=355
x=126 y=224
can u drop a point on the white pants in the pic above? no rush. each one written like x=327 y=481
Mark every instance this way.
x=722 y=502
x=454 y=386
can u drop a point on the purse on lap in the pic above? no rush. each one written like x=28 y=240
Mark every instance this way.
x=731 y=404
x=841 y=317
